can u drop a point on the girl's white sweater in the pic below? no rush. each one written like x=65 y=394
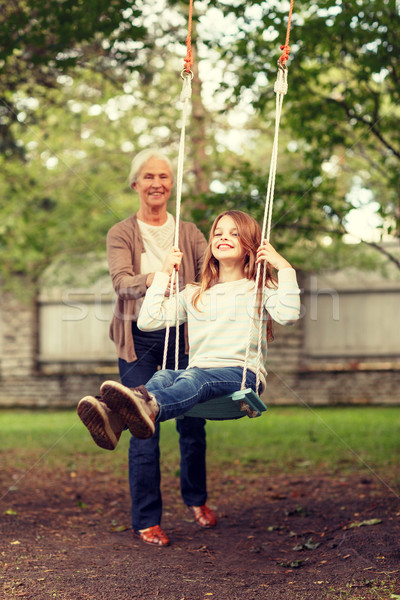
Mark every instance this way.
x=219 y=329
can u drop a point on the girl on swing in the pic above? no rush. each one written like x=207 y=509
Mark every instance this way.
x=219 y=312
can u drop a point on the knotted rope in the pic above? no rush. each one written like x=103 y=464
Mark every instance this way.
x=280 y=89
x=188 y=60
x=286 y=48
x=185 y=99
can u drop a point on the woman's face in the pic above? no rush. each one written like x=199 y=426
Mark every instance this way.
x=154 y=183
x=225 y=243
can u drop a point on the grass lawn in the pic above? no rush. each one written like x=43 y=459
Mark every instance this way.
x=249 y=461
x=286 y=439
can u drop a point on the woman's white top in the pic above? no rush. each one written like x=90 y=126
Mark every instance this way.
x=157 y=241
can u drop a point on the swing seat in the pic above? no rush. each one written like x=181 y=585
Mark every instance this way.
x=229 y=407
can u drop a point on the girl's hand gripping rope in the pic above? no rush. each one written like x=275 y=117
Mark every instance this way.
x=267 y=252
x=173 y=261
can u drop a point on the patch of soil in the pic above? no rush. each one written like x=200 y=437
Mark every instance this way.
x=66 y=536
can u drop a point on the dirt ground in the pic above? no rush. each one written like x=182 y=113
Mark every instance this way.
x=66 y=535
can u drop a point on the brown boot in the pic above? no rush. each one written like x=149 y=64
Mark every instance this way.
x=104 y=425
x=136 y=406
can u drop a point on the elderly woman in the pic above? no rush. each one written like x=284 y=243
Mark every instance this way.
x=137 y=248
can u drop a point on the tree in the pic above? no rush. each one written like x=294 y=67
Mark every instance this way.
x=84 y=96
x=42 y=39
x=342 y=109
x=72 y=185
x=80 y=86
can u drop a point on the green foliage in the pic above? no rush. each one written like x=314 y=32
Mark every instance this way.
x=343 y=99
x=42 y=39
x=304 y=225
x=72 y=186
x=84 y=85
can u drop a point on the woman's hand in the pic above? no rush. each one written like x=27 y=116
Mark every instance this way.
x=173 y=261
x=267 y=252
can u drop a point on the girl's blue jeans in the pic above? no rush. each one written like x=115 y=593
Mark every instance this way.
x=144 y=455
x=177 y=391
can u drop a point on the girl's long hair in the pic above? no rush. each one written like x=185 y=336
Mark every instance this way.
x=249 y=233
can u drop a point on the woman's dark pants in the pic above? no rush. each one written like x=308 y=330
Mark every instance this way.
x=144 y=455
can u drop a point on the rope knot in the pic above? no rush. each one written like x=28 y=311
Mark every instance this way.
x=188 y=60
x=186 y=92
x=281 y=84
x=285 y=54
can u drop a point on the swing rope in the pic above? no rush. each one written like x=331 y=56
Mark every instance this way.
x=280 y=89
x=189 y=56
x=286 y=48
x=186 y=94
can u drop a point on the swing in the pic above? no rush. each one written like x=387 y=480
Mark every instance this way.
x=245 y=401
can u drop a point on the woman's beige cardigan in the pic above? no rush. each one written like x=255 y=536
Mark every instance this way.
x=124 y=249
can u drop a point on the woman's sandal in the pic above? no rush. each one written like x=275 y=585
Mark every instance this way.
x=204 y=516
x=154 y=535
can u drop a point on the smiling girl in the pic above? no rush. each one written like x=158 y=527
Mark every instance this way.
x=219 y=313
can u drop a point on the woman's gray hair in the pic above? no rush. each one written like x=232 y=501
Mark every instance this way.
x=141 y=158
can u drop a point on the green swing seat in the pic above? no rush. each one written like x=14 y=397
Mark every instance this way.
x=229 y=406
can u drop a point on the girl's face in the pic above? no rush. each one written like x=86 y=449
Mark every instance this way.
x=225 y=243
